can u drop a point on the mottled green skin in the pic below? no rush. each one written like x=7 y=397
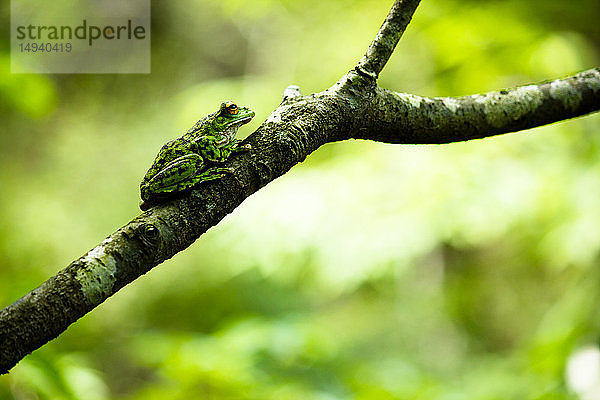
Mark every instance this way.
x=194 y=157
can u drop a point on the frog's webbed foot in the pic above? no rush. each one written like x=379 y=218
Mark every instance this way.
x=244 y=147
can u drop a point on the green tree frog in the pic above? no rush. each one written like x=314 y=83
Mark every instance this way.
x=195 y=156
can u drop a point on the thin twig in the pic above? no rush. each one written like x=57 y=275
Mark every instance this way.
x=387 y=38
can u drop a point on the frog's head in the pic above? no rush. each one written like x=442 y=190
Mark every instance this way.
x=230 y=117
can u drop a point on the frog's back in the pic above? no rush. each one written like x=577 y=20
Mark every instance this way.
x=175 y=149
x=199 y=129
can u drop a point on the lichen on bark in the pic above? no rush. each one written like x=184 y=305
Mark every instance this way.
x=97 y=274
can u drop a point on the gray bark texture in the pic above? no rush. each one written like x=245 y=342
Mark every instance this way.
x=354 y=107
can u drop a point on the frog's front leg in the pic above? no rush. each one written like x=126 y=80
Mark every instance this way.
x=236 y=147
x=241 y=147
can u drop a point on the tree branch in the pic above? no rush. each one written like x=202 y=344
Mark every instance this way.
x=387 y=38
x=352 y=108
x=410 y=119
x=295 y=129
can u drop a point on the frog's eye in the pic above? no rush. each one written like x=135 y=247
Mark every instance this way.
x=232 y=109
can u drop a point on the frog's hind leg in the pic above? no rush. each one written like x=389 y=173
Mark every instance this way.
x=213 y=173
x=176 y=176
x=208 y=175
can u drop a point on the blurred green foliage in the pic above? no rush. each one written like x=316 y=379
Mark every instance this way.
x=370 y=271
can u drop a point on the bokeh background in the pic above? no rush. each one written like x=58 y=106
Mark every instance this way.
x=370 y=271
